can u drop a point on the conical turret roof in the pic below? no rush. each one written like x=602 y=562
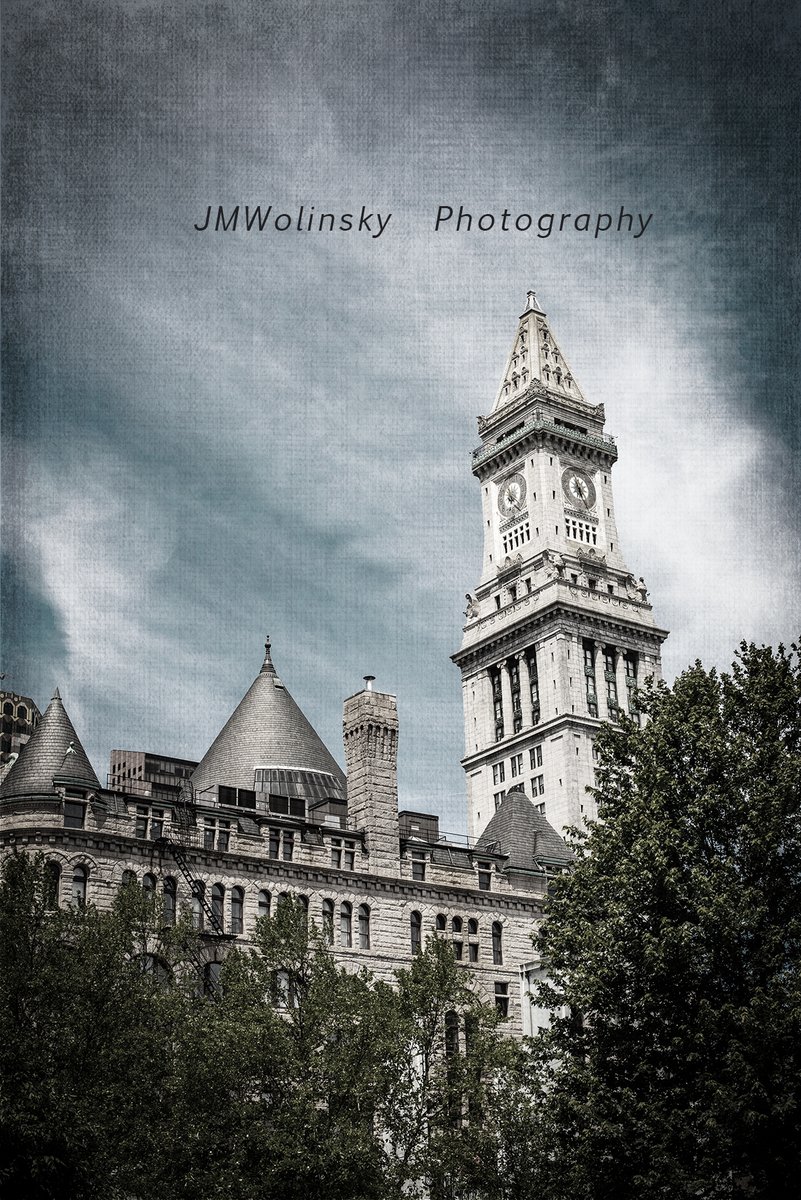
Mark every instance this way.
x=267 y=729
x=53 y=752
x=535 y=358
x=519 y=831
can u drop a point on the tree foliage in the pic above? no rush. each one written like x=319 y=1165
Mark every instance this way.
x=301 y=1080
x=673 y=1064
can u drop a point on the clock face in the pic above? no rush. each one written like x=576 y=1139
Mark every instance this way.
x=578 y=488
x=512 y=495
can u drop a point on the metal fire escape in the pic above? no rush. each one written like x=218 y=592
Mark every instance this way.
x=182 y=829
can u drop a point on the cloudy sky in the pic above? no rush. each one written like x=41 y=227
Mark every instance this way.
x=209 y=437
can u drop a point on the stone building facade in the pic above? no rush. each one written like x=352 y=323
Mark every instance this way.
x=268 y=812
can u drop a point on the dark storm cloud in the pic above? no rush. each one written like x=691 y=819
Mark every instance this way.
x=205 y=437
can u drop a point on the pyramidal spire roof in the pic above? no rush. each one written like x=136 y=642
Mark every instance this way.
x=535 y=357
x=53 y=752
x=266 y=729
x=518 y=830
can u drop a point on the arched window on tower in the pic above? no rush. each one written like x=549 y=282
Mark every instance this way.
x=149 y=884
x=218 y=905
x=415 y=929
x=328 y=921
x=170 y=900
x=264 y=903
x=346 y=925
x=364 y=927
x=440 y=923
x=79 y=878
x=52 y=883
x=237 y=910
x=497 y=943
x=198 y=892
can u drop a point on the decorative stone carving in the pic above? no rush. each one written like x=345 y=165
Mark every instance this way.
x=471 y=612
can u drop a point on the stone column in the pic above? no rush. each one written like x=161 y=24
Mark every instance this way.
x=506 y=700
x=620 y=677
x=525 y=690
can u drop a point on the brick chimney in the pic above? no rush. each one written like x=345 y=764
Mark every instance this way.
x=370 y=734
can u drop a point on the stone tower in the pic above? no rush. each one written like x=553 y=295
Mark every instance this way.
x=370 y=734
x=559 y=633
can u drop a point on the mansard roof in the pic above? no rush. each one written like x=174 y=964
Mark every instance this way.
x=53 y=752
x=535 y=358
x=520 y=832
x=267 y=729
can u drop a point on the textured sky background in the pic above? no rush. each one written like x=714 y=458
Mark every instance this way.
x=212 y=437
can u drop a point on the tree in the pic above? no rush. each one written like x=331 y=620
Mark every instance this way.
x=83 y=1018
x=673 y=1064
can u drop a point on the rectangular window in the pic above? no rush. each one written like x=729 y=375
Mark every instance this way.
x=418 y=865
x=157 y=824
x=224 y=836
x=289 y=845
x=538 y=785
x=209 y=834
x=343 y=854
x=502 y=998
x=74 y=815
x=458 y=950
x=535 y=756
x=485 y=876
x=498 y=773
x=246 y=797
x=499 y=798
x=517 y=765
x=473 y=949
x=142 y=814
x=275 y=843
x=540 y=808
x=226 y=795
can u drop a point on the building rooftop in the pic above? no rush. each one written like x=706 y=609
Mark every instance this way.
x=267 y=729
x=54 y=751
x=519 y=831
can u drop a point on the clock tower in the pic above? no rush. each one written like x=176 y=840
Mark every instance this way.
x=559 y=632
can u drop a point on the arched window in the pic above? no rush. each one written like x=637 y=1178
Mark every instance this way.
x=264 y=903
x=128 y=879
x=211 y=979
x=472 y=927
x=328 y=921
x=149 y=884
x=303 y=901
x=217 y=905
x=237 y=910
x=497 y=943
x=415 y=927
x=170 y=898
x=151 y=964
x=441 y=923
x=8 y=709
x=198 y=892
x=451 y=1033
x=79 y=877
x=22 y=713
x=456 y=925
x=52 y=883
x=364 y=926
x=282 y=898
x=346 y=925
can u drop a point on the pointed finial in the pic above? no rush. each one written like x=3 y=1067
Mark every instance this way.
x=531 y=301
x=267 y=665
x=56 y=695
